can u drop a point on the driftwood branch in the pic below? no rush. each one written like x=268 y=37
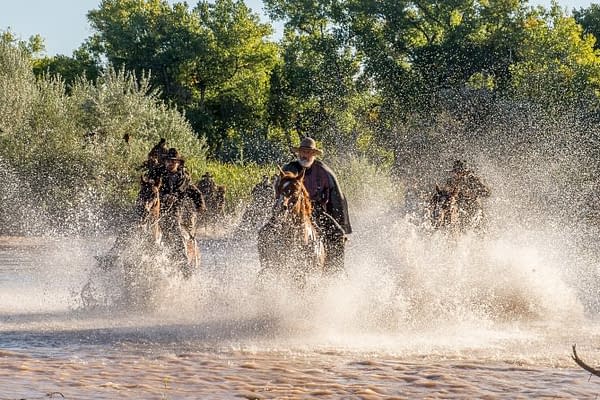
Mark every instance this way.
x=583 y=365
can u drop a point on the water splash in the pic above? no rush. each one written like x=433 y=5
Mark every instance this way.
x=407 y=287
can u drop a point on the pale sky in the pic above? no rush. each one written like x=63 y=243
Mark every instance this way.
x=64 y=26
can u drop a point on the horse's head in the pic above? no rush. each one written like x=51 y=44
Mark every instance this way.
x=291 y=195
x=290 y=238
x=444 y=195
x=148 y=202
x=148 y=206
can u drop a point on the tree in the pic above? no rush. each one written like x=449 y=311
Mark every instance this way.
x=416 y=48
x=17 y=91
x=556 y=62
x=83 y=63
x=589 y=19
x=316 y=80
x=32 y=46
x=232 y=75
x=147 y=35
x=213 y=61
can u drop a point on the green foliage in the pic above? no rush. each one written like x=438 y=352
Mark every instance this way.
x=314 y=89
x=83 y=63
x=213 y=61
x=17 y=86
x=65 y=146
x=414 y=48
x=589 y=19
x=120 y=106
x=557 y=63
x=144 y=36
x=232 y=78
x=32 y=46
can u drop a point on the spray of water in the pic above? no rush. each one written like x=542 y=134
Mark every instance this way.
x=406 y=285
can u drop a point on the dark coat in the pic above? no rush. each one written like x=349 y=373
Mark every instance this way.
x=324 y=190
x=179 y=185
x=469 y=187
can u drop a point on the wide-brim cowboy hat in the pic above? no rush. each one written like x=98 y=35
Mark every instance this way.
x=307 y=144
x=173 y=154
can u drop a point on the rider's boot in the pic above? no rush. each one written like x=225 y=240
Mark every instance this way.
x=334 y=256
x=334 y=241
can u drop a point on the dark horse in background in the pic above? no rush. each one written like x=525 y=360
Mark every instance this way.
x=443 y=209
x=455 y=212
x=289 y=244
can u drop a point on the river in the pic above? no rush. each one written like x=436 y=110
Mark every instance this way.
x=418 y=316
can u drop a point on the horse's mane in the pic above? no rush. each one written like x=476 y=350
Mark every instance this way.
x=303 y=207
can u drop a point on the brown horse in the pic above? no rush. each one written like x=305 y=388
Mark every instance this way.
x=144 y=228
x=289 y=243
x=443 y=208
x=147 y=207
x=178 y=224
x=128 y=272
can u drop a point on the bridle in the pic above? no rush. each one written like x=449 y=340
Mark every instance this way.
x=294 y=197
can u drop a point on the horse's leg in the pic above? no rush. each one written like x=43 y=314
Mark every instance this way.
x=192 y=253
x=174 y=242
x=190 y=257
x=190 y=247
x=267 y=272
x=334 y=241
x=334 y=255
x=156 y=233
x=267 y=251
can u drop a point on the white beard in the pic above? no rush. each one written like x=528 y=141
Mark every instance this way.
x=305 y=163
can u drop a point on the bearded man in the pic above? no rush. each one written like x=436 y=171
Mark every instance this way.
x=330 y=208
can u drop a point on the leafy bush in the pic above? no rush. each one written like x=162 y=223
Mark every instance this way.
x=366 y=184
x=81 y=151
x=17 y=88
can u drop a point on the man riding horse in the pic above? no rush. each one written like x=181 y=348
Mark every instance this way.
x=175 y=190
x=177 y=184
x=330 y=208
x=470 y=191
x=168 y=167
x=155 y=160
